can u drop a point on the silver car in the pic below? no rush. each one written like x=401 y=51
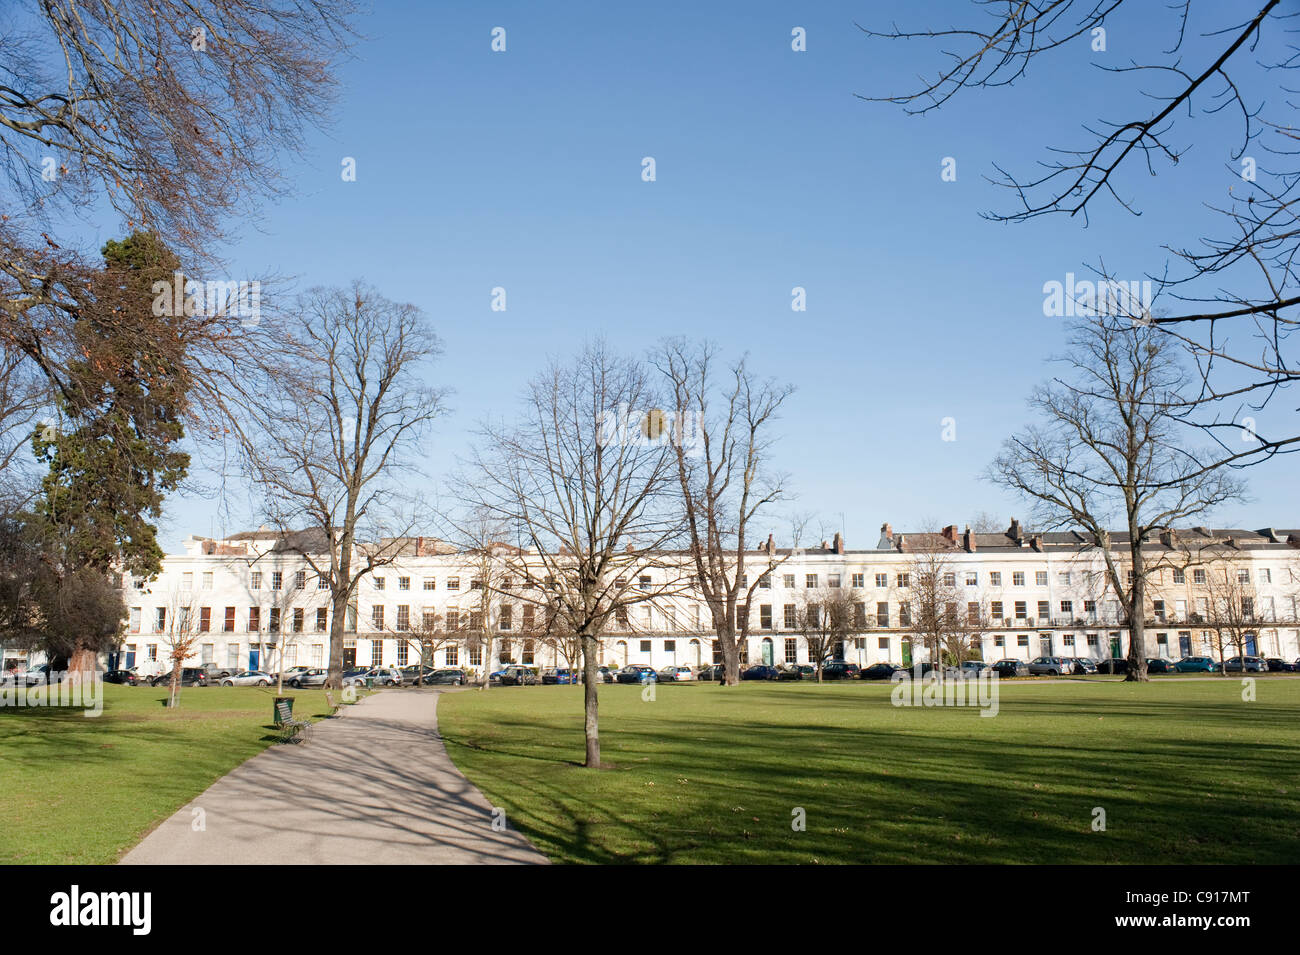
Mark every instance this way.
x=313 y=677
x=1051 y=666
x=248 y=678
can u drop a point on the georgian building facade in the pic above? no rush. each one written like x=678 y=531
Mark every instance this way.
x=253 y=601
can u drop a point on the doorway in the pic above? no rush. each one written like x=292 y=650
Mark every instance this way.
x=349 y=658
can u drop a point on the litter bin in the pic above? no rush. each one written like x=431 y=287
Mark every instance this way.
x=370 y=683
x=283 y=709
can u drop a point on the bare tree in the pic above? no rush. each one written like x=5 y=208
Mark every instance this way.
x=1109 y=448
x=1230 y=603
x=343 y=428
x=587 y=502
x=827 y=618
x=720 y=434
x=179 y=637
x=1234 y=295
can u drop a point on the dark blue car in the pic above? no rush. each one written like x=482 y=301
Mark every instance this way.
x=761 y=672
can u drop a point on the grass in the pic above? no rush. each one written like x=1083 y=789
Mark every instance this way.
x=75 y=789
x=1186 y=773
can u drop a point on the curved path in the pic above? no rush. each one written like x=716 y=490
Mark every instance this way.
x=372 y=786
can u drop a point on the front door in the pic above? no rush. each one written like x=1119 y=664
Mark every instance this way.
x=1250 y=645
x=1185 y=644
x=253 y=656
x=907 y=653
x=768 y=656
x=349 y=658
x=1114 y=646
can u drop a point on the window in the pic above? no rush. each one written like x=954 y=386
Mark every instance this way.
x=254 y=619
x=228 y=624
x=403 y=617
x=300 y=580
x=1017 y=578
x=833 y=580
x=744 y=581
x=882 y=614
x=645 y=646
x=530 y=617
x=430 y=583
x=643 y=580
x=999 y=640
x=1064 y=577
x=670 y=646
x=1243 y=576
x=972 y=578
x=859 y=580
x=159 y=619
x=860 y=615
x=1044 y=610
x=380 y=583
x=1265 y=575
x=255 y=580
x=475 y=655
x=208 y=651
x=791 y=650
x=322 y=619
x=1198 y=576
x=973 y=613
x=232 y=655
x=765 y=616
x=1092 y=639
x=298 y=614
x=322 y=583
x=138 y=583
x=453 y=620
x=1040 y=578
x=790 y=621
x=904 y=580
x=403 y=583
x=810 y=580
x=277 y=580
x=905 y=614
x=995 y=578
x=476 y=583
x=453 y=583
x=376 y=653
x=187 y=581
x=205 y=619
x=950 y=580
x=1022 y=611
x=1067 y=608
x=135 y=620
x=1179 y=576
x=882 y=580
x=207 y=580
x=765 y=582
x=620 y=616
x=506 y=619
x=882 y=643
x=451 y=656
x=476 y=620
x=317 y=654
x=1022 y=640
x=1067 y=639
x=1090 y=607
x=995 y=609
x=787 y=581
x=274 y=625
x=377 y=616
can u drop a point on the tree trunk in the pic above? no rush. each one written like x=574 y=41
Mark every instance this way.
x=83 y=660
x=1137 y=660
x=590 y=720
x=485 y=679
x=174 y=690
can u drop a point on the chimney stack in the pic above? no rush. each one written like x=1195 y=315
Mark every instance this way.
x=838 y=545
x=886 y=531
x=968 y=540
x=771 y=545
x=1014 y=531
x=902 y=542
x=950 y=533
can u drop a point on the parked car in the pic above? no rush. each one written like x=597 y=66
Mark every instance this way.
x=124 y=677
x=760 y=671
x=714 y=673
x=788 y=673
x=216 y=673
x=637 y=673
x=675 y=674
x=1009 y=667
x=519 y=676
x=1245 y=665
x=839 y=670
x=313 y=677
x=807 y=669
x=604 y=675
x=1083 y=666
x=290 y=673
x=879 y=671
x=40 y=675
x=1196 y=665
x=246 y=678
x=379 y=676
x=1050 y=666
x=561 y=675
x=417 y=673
x=447 y=676
x=1113 y=665
x=1159 y=665
x=1278 y=665
x=190 y=676
x=971 y=668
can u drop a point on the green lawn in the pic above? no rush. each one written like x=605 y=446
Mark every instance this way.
x=84 y=790
x=1186 y=772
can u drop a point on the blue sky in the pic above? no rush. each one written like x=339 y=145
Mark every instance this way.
x=522 y=169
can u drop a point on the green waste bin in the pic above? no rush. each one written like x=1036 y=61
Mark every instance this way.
x=370 y=683
x=283 y=709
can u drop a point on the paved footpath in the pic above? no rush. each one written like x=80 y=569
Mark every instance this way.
x=372 y=786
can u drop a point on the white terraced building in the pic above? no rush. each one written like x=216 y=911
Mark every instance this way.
x=255 y=602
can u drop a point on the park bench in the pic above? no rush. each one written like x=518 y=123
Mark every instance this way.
x=291 y=730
